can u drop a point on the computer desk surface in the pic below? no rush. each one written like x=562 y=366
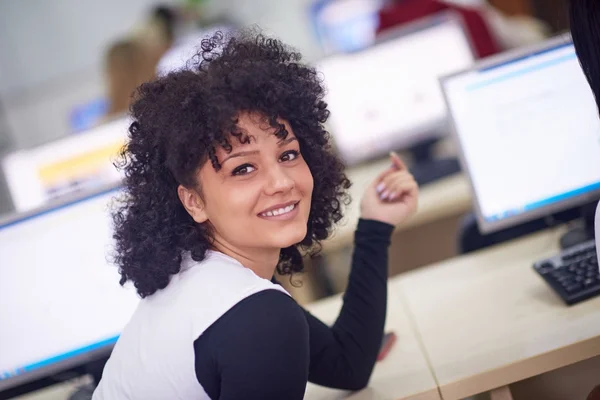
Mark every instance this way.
x=448 y=196
x=473 y=324
x=403 y=374
x=487 y=320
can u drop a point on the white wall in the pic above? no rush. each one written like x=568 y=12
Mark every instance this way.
x=44 y=40
x=51 y=59
x=37 y=116
x=51 y=52
x=287 y=19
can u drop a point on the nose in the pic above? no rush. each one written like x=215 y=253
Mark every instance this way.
x=278 y=181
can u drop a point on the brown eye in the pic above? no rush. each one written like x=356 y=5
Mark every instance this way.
x=243 y=170
x=289 y=156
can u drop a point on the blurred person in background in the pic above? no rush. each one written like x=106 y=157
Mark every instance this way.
x=133 y=60
x=127 y=65
x=156 y=34
x=167 y=23
x=490 y=30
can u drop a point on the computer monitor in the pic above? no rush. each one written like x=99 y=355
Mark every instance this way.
x=75 y=163
x=387 y=97
x=529 y=134
x=345 y=25
x=62 y=305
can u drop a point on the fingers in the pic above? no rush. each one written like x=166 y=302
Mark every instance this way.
x=399 y=176
x=397 y=161
x=395 y=185
x=397 y=165
x=399 y=191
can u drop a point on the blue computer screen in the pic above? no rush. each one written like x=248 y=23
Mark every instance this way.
x=529 y=131
x=60 y=295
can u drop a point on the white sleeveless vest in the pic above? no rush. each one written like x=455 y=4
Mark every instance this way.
x=154 y=356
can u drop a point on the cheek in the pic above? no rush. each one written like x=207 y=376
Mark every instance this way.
x=236 y=200
x=228 y=200
x=305 y=180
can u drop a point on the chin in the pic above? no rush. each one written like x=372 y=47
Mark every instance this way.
x=289 y=236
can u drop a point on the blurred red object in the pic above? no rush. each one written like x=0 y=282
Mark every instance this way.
x=404 y=11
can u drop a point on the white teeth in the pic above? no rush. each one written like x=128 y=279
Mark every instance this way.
x=279 y=211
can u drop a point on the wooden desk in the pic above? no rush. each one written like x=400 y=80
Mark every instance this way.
x=471 y=325
x=488 y=320
x=404 y=373
x=449 y=196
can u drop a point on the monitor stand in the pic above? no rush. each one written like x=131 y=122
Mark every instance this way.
x=583 y=229
x=426 y=169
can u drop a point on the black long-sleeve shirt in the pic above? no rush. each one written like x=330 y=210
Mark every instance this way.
x=268 y=347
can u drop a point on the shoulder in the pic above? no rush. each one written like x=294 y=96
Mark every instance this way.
x=266 y=316
x=208 y=289
x=266 y=312
x=222 y=276
x=265 y=335
x=271 y=323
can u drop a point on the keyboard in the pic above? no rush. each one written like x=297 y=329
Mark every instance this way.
x=573 y=274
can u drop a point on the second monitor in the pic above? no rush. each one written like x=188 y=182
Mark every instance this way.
x=387 y=97
x=529 y=133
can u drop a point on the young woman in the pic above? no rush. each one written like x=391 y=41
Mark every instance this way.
x=230 y=177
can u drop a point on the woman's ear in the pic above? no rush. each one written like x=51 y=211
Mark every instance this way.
x=193 y=203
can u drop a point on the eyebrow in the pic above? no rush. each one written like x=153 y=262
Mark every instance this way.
x=287 y=141
x=281 y=143
x=240 y=154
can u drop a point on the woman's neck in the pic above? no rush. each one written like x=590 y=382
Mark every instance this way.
x=262 y=262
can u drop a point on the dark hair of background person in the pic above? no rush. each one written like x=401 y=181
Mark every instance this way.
x=585 y=29
x=168 y=18
x=180 y=119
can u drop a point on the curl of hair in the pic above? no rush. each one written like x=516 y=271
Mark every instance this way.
x=179 y=119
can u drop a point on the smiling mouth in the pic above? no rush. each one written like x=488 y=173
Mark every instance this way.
x=279 y=211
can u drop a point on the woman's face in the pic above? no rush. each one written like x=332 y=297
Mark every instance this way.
x=260 y=198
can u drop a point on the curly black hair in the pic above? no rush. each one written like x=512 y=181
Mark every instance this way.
x=179 y=119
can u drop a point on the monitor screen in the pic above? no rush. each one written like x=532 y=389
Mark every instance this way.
x=75 y=163
x=345 y=25
x=529 y=133
x=61 y=299
x=387 y=96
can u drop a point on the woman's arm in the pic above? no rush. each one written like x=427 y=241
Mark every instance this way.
x=257 y=350
x=344 y=355
x=263 y=344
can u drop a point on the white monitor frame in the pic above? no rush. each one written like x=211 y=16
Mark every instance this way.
x=81 y=357
x=404 y=138
x=485 y=225
x=23 y=169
